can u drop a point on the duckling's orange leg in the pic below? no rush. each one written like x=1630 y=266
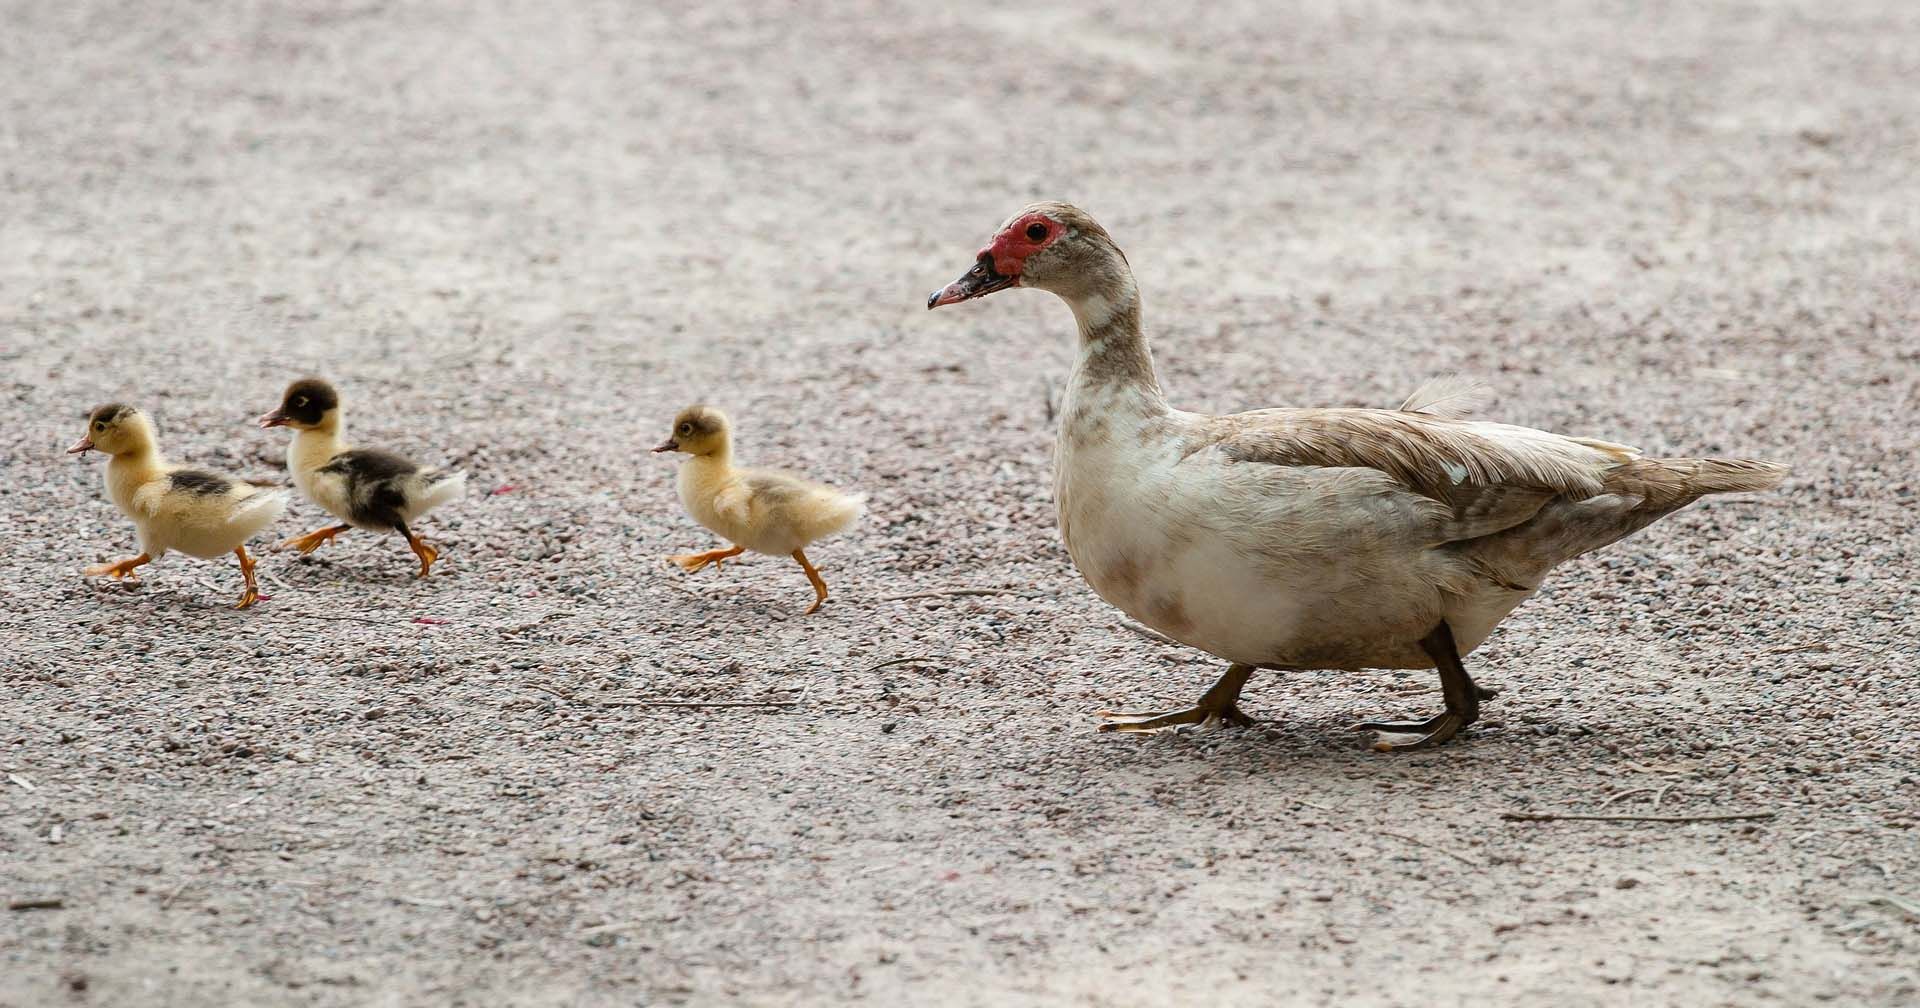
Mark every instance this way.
x=819 y=586
x=426 y=553
x=316 y=539
x=119 y=570
x=1219 y=705
x=691 y=562
x=252 y=594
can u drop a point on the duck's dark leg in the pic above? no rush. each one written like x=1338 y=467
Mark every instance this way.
x=252 y=594
x=426 y=553
x=1463 y=697
x=819 y=586
x=1220 y=704
x=691 y=562
x=315 y=539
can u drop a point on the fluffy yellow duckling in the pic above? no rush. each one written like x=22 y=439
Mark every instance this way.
x=199 y=513
x=766 y=512
x=366 y=488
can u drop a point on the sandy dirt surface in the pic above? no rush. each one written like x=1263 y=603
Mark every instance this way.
x=521 y=236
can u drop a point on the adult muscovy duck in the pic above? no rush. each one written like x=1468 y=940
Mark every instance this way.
x=1296 y=539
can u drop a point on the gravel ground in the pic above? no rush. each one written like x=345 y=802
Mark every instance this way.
x=521 y=236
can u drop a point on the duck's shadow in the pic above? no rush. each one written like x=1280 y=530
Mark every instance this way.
x=1311 y=755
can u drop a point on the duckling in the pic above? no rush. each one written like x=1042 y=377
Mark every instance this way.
x=363 y=487
x=757 y=509
x=199 y=513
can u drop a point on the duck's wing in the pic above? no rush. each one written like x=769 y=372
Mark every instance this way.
x=201 y=483
x=1474 y=478
x=735 y=503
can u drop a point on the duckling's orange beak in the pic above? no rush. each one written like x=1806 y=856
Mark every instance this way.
x=81 y=446
x=981 y=280
x=666 y=446
x=274 y=419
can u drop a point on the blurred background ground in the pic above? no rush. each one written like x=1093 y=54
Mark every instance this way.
x=520 y=236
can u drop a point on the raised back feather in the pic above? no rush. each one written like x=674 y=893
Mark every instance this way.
x=1447 y=396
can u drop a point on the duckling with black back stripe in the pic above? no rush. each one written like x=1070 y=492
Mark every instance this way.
x=363 y=487
x=202 y=514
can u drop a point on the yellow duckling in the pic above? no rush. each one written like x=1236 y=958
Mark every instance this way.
x=756 y=509
x=199 y=513
x=363 y=487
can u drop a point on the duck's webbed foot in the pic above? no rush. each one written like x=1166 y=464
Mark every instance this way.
x=116 y=571
x=315 y=539
x=1463 y=702
x=691 y=562
x=1218 y=706
x=426 y=553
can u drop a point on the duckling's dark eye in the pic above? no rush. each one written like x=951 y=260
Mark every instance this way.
x=99 y=425
x=685 y=429
x=1036 y=232
x=302 y=401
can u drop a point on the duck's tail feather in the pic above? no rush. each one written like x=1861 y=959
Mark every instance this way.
x=258 y=510
x=840 y=515
x=1667 y=483
x=439 y=487
x=1637 y=494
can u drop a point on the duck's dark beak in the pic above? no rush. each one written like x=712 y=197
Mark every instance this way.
x=979 y=281
x=666 y=446
x=81 y=447
x=274 y=419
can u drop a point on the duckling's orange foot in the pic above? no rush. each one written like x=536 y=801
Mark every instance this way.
x=315 y=539
x=249 y=597
x=691 y=562
x=1203 y=714
x=1411 y=735
x=116 y=571
x=427 y=555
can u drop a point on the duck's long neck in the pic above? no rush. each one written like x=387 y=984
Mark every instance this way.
x=1114 y=362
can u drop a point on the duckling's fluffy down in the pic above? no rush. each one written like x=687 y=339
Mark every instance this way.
x=206 y=525
x=436 y=487
x=787 y=513
x=765 y=511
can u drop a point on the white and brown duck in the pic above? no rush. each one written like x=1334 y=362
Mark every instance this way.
x=1297 y=539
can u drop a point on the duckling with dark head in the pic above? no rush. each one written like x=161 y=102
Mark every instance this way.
x=363 y=487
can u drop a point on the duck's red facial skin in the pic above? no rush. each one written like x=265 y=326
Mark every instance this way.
x=1017 y=241
x=999 y=265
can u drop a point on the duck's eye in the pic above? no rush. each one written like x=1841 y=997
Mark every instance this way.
x=300 y=402
x=1036 y=232
x=99 y=425
x=685 y=429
